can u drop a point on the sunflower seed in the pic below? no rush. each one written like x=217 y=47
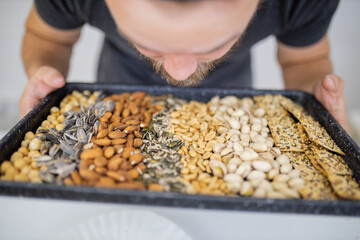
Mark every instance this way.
x=46 y=176
x=96 y=126
x=81 y=135
x=69 y=113
x=79 y=122
x=51 y=138
x=78 y=149
x=44 y=148
x=82 y=109
x=109 y=105
x=55 y=132
x=67 y=148
x=89 y=136
x=69 y=135
x=54 y=149
x=42 y=158
x=69 y=141
x=88 y=146
x=63 y=170
x=87 y=125
x=100 y=109
x=41 y=137
x=68 y=124
x=43 y=130
x=48 y=164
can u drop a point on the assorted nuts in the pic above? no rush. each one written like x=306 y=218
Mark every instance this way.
x=160 y=147
x=203 y=148
x=229 y=150
x=137 y=141
x=252 y=155
x=27 y=163
x=115 y=159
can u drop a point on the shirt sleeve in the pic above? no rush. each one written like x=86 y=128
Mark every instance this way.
x=61 y=14
x=307 y=21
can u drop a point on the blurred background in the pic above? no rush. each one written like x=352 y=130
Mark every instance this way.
x=344 y=37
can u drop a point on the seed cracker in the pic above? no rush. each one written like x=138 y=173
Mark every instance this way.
x=345 y=186
x=295 y=109
x=284 y=131
x=314 y=161
x=316 y=186
x=330 y=162
x=316 y=132
x=307 y=143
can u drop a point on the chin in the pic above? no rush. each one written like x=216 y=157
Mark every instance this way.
x=184 y=83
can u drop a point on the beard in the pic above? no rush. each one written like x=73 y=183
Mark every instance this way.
x=194 y=79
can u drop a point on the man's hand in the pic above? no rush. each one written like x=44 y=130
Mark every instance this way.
x=330 y=92
x=303 y=67
x=44 y=81
x=44 y=46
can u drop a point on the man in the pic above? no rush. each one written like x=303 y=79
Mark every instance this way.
x=186 y=42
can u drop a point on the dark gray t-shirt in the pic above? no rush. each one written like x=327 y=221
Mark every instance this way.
x=294 y=22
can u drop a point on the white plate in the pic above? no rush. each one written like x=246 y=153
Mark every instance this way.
x=126 y=224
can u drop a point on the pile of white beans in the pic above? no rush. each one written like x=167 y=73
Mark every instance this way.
x=249 y=163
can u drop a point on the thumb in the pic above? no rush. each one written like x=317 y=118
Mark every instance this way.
x=333 y=83
x=330 y=92
x=50 y=76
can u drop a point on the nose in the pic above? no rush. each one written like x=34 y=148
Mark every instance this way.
x=180 y=67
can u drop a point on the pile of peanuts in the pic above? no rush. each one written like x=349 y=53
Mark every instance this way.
x=21 y=166
x=228 y=150
x=194 y=124
x=115 y=159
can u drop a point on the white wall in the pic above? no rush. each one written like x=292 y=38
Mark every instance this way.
x=344 y=36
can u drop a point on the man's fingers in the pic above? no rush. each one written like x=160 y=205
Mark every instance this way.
x=330 y=92
x=50 y=76
x=32 y=95
x=26 y=104
x=44 y=81
x=41 y=90
x=333 y=83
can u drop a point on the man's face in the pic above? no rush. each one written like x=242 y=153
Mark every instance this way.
x=183 y=40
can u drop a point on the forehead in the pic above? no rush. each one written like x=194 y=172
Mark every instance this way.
x=175 y=26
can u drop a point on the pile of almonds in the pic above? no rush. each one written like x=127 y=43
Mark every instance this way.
x=115 y=159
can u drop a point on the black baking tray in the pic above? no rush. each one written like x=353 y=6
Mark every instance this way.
x=12 y=140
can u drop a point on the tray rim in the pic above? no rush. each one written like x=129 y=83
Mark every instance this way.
x=196 y=201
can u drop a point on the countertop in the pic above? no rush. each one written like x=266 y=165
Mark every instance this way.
x=28 y=218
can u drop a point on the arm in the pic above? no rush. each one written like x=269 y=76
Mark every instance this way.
x=302 y=67
x=310 y=69
x=46 y=55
